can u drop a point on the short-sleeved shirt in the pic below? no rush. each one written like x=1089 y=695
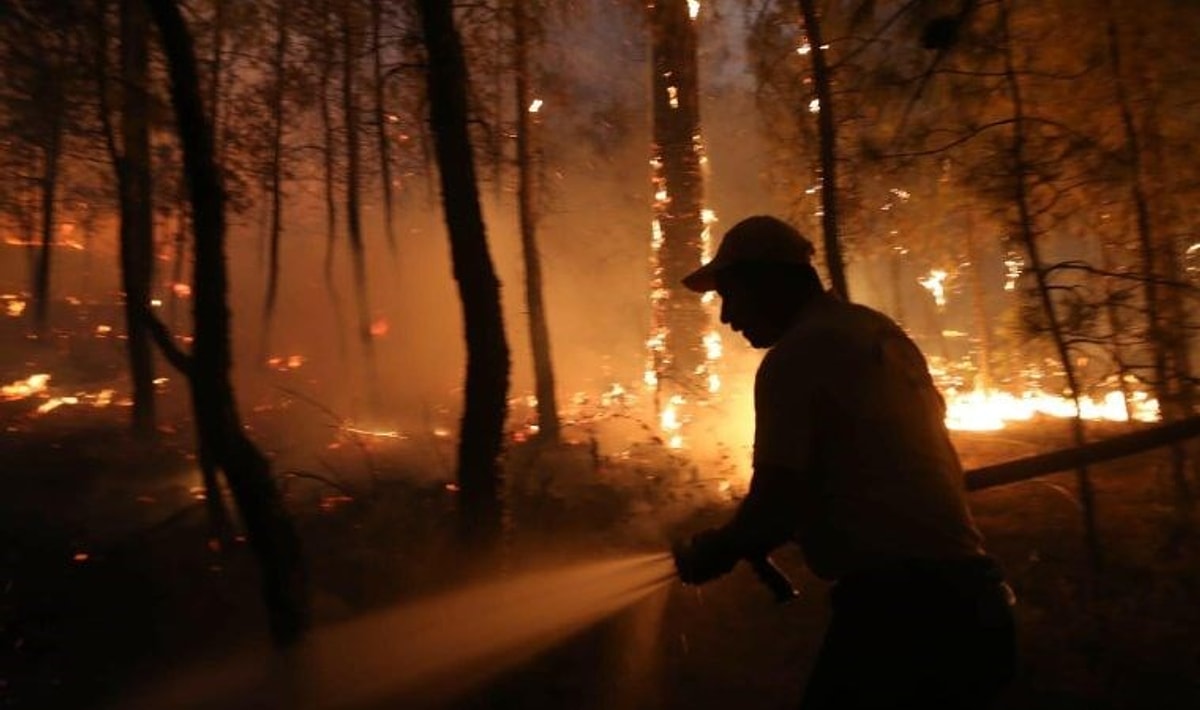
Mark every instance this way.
x=845 y=398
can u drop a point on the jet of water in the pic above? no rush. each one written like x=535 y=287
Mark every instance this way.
x=452 y=640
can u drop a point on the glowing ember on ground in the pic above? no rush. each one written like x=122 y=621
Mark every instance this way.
x=22 y=389
x=283 y=364
x=14 y=307
x=374 y=433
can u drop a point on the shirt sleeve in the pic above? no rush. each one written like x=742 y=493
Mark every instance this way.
x=775 y=505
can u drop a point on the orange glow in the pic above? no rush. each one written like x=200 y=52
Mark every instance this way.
x=22 y=389
x=379 y=328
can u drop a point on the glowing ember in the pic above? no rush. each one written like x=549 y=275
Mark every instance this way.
x=181 y=290
x=374 y=433
x=14 y=308
x=379 y=328
x=103 y=330
x=22 y=389
x=693 y=8
x=535 y=105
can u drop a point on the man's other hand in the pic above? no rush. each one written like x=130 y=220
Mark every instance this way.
x=703 y=558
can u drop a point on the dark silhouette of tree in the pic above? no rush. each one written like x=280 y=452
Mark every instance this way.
x=486 y=390
x=539 y=333
x=221 y=436
x=827 y=131
x=275 y=169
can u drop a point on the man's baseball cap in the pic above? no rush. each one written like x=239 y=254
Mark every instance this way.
x=759 y=239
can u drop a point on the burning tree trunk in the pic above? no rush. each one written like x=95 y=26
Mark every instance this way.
x=539 y=334
x=1025 y=226
x=486 y=392
x=679 y=319
x=381 y=122
x=137 y=231
x=276 y=176
x=221 y=435
x=828 y=138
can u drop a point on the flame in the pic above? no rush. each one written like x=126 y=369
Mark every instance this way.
x=14 y=308
x=935 y=283
x=979 y=410
x=23 y=389
x=693 y=8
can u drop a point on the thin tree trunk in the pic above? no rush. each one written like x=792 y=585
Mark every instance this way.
x=486 y=389
x=329 y=165
x=679 y=319
x=51 y=156
x=827 y=128
x=276 y=177
x=221 y=435
x=1029 y=239
x=353 y=214
x=539 y=332
x=137 y=209
x=1161 y=332
x=381 y=122
x=216 y=64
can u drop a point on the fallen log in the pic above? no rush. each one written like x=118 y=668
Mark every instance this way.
x=1095 y=452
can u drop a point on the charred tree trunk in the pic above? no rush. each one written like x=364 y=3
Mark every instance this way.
x=51 y=159
x=485 y=405
x=137 y=208
x=276 y=177
x=539 y=332
x=381 y=122
x=1028 y=237
x=329 y=167
x=827 y=129
x=679 y=318
x=353 y=213
x=216 y=64
x=221 y=435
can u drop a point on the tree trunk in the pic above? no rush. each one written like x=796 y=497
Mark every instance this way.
x=276 y=177
x=214 y=87
x=539 y=333
x=679 y=318
x=1029 y=239
x=827 y=128
x=353 y=214
x=220 y=432
x=1162 y=327
x=381 y=123
x=51 y=157
x=137 y=209
x=329 y=167
x=486 y=390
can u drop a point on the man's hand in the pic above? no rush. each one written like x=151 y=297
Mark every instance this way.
x=703 y=558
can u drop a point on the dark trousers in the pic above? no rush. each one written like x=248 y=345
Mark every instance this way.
x=928 y=635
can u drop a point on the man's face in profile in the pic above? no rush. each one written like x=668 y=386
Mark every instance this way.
x=748 y=307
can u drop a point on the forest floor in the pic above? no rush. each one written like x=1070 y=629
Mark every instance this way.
x=108 y=580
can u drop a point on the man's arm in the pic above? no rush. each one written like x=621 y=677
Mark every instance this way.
x=767 y=517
